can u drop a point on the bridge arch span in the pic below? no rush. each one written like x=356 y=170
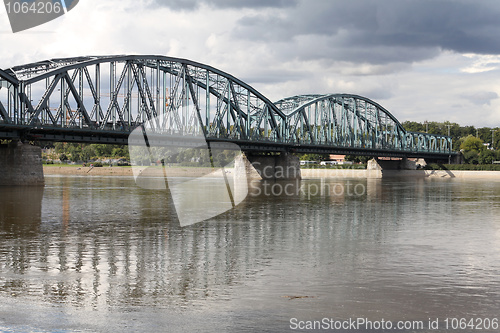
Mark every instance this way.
x=117 y=93
x=352 y=121
x=104 y=98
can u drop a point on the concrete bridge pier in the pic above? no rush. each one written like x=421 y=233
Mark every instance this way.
x=402 y=164
x=283 y=166
x=20 y=164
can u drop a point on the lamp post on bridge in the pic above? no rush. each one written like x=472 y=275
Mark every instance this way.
x=492 y=138
x=449 y=156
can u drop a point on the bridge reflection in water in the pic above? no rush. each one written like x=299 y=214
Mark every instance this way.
x=20 y=211
x=94 y=243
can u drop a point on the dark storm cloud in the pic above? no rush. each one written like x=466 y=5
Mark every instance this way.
x=377 y=31
x=194 y=4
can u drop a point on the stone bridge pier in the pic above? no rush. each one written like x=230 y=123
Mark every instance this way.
x=283 y=166
x=400 y=164
x=20 y=164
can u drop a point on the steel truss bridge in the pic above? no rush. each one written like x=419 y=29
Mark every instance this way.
x=103 y=99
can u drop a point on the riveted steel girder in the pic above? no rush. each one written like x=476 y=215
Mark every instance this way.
x=352 y=121
x=103 y=98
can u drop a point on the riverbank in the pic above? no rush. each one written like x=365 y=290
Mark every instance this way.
x=86 y=171
x=124 y=171
x=306 y=173
x=464 y=174
x=339 y=173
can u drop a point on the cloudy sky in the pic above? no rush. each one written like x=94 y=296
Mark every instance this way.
x=421 y=59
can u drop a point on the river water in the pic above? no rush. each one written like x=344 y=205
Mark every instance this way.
x=99 y=254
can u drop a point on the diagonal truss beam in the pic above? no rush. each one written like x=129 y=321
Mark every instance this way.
x=76 y=96
x=4 y=114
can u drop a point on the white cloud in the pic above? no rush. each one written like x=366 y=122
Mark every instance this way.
x=481 y=63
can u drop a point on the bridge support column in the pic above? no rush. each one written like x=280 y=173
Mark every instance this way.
x=20 y=164
x=268 y=167
x=402 y=164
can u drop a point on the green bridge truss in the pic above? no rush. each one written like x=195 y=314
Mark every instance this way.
x=103 y=98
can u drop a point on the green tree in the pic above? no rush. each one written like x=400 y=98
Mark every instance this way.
x=485 y=134
x=75 y=157
x=472 y=143
x=357 y=158
x=413 y=126
x=471 y=157
x=74 y=151
x=496 y=138
x=467 y=130
x=88 y=152
x=120 y=152
x=59 y=147
x=437 y=128
x=103 y=150
x=486 y=156
x=313 y=157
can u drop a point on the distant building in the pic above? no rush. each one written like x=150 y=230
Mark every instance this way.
x=488 y=146
x=384 y=158
x=337 y=158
